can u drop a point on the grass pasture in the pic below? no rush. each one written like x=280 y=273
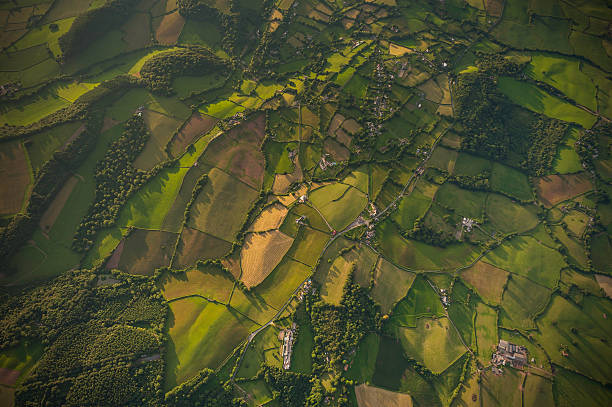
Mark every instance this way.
x=564 y=73
x=509 y=217
x=265 y=348
x=308 y=246
x=276 y=289
x=434 y=343
x=195 y=245
x=420 y=256
x=15 y=172
x=209 y=282
x=581 y=329
x=215 y=209
x=486 y=332
x=489 y=281
x=524 y=256
x=390 y=284
x=471 y=165
x=572 y=389
x=162 y=128
x=196 y=126
x=364 y=364
x=339 y=204
x=601 y=246
x=538 y=392
x=261 y=253
x=421 y=302
x=443 y=159
x=511 y=182
x=567 y=160
x=41 y=146
x=521 y=302
x=465 y=203
x=201 y=335
x=146 y=250
x=411 y=208
x=502 y=391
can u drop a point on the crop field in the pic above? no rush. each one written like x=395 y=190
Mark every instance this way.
x=261 y=253
x=553 y=189
x=369 y=396
x=207 y=282
x=270 y=218
x=16 y=174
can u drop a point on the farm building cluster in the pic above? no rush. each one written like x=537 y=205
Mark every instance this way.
x=509 y=354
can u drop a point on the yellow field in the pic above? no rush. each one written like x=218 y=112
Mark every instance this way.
x=270 y=218
x=398 y=50
x=261 y=253
x=369 y=396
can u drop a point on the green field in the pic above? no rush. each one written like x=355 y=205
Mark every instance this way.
x=201 y=335
x=410 y=208
x=465 y=203
x=537 y=100
x=339 y=204
x=511 y=182
x=42 y=146
x=581 y=330
x=524 y=256
x=521 y=302
x=564 y=74
x=390 y=284
x=207 y=282
x=486 y=332
x=432 y=342
x=509 y=217
x=364 y=364
x=420 y=302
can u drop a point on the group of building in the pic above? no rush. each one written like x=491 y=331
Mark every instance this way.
x=508 y=354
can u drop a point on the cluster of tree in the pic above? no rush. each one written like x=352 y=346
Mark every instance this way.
x=481 y=109
x=293 y=388
x=194 y=194
x=205 y=390
x=159 y=70
x=587 y=146
x=478 y=182
x=424 y=233
x=93 y=355
x=93 y=24
x=338 y=329
x=546 y=134
x=116 y=178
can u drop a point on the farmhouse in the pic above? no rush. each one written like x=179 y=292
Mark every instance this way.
x=509 y=353
x=287 y=346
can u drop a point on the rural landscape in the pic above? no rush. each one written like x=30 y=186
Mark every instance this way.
x=289 y=203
